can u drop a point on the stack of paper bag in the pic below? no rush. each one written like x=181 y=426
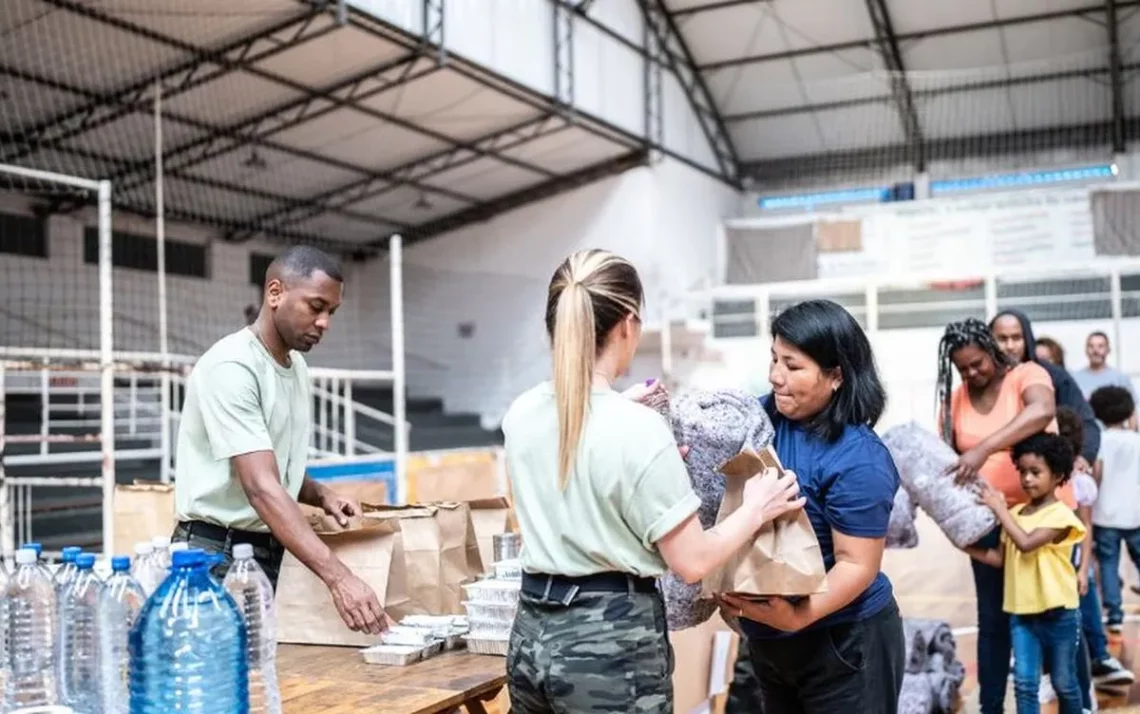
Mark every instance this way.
x=441 y=554
x=372 y=548
x=784 y=559
x=490 y=517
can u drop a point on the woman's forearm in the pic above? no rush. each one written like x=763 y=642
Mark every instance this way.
x=1031 y=420
x=845 y=582
x=693 y=553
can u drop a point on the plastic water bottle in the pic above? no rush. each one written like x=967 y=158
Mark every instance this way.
x=120 y=602
x=250 y=588
x=3 y=633
x=188 y=648
x=31 y=618
x=78 y=665
x=40 y=564
x=145 y=570
x=161 y=552
x=67 y=568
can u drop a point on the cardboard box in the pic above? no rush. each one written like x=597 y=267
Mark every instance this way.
x=703 y=660
x=143 y=510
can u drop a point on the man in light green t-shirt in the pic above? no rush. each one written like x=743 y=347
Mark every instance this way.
x=244 y=436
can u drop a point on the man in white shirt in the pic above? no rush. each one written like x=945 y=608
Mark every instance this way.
x=1099 y=374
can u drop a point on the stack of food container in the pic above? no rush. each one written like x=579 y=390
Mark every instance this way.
x=491 y=602
x=417 y=637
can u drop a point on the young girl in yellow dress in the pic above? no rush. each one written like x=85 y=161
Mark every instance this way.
x=1036 y=555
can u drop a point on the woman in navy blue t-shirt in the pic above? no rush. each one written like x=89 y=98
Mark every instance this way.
x=843 y=650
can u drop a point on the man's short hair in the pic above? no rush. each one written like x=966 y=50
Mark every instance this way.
x=1097 y=333
x=301 y=261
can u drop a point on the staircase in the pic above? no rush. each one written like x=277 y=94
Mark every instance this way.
x=72 y=515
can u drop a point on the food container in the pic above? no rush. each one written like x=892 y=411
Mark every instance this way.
x=504 y=592
x=506 y=546
x=477 y=645
x=489 y=612
x=392 y=655
x=490 y=629
x=508 y=570
x=410 y=636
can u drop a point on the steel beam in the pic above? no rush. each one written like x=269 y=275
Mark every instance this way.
x=681 y=63
x=1116 y=77
x=548 y=189
x=1004 y=143
x=434 y=37
x=563 y=56
x=889 y=51
x=408 y=174
x=203 y=67
x=905 y=37
x=1089 y=73
x=654 y=94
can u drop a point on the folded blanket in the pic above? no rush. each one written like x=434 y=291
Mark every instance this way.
x=901 y=532
x=715 y=425
x=917 y=650
x=922 y=459
x=917 y=695
x=943 y=690
x=939 y=639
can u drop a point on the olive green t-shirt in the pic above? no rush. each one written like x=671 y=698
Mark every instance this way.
x=628 y=488
x=239 y=400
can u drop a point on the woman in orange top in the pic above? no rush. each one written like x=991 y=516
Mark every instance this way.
x=997 y=405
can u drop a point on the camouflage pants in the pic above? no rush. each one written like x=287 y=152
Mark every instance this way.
x=269 y=558
x=605 y=652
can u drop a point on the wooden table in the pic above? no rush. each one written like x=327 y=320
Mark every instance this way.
x=335 y=680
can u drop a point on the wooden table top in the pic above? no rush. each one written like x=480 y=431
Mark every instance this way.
x=336 y=680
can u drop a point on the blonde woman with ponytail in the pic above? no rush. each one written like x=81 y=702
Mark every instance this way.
x=604 y=505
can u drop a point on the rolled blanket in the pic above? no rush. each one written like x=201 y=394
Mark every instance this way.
x=943 y=691
x=917 y=650
x=716 y=426
x=901 y=532
x=922 y=459
x=938 y=637
x=956 y=671
x=916 y=696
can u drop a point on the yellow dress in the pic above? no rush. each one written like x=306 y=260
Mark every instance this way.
x=1042 y=579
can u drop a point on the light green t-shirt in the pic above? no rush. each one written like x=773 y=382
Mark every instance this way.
x=239 y=400
x=628 y=487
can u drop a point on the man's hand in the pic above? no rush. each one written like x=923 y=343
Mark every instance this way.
x=357 y=604
x=339 y=507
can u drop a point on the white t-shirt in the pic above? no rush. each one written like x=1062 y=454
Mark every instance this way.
x=627 y=489
x=1118 y=505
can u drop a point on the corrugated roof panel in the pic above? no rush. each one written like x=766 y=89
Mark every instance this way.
x=961 y=114
x=132 y=137
x=736 y=32
x=567 y=150
x=858 y=127
x=230 y=98
x=354 y=137
x=792 y=135
x=408 y=205
x=205 y=23
x=486 y=178
x=1064 y=103
x=344 y=52
x=807 y=23
x=276 y=171
x=755 y=87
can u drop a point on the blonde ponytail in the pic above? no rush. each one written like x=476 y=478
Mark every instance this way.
x=574 y=354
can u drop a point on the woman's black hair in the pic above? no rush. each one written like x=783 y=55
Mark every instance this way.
x=956 y=336
x=831 y=337
x=1054 y=450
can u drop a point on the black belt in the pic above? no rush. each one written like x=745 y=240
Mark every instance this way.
x=563 y=587
x=232 y=536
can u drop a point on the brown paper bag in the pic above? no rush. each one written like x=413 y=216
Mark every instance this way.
x=372 y=549
x=143 y=510
x=490 y=517
x=784 y=559
x=441 y=554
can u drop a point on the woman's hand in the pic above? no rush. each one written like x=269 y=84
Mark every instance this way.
x=641 y=391
x=776 y=612
x=966 y=468
x=772 y=495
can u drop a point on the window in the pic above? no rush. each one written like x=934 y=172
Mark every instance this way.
x=141 y=253
x=258 y=265
x=23 y=235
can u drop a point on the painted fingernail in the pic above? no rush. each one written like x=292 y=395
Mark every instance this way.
x=649 y=382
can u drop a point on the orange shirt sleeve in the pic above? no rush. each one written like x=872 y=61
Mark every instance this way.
x=1031 y=374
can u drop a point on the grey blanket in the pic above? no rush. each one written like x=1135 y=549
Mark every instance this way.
x=901 y=532
x=931 y=663
x=938 y=636
x=716 y=426
x=916 y=696
x=922 y=459
x=917 y=650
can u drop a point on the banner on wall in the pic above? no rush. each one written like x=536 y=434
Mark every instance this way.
x=969 y=235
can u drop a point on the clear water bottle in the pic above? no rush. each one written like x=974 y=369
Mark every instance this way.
x=67 y=567
x=38 y=549
x=78 y=665
x=31 y=619
x=120 y=602
x=250 y=588
x=161 y=552
x=3 y=633
x=188 y=648
x=145 y=570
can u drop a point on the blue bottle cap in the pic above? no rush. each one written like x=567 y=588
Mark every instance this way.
x=70 y=553
x=85 y=561
x=36 y=547
x=120 y=563
x=187 y=558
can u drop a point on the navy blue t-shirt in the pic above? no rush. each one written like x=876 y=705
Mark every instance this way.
x=849 y=486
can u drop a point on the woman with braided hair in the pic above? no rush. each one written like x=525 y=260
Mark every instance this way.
x=998 y=404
